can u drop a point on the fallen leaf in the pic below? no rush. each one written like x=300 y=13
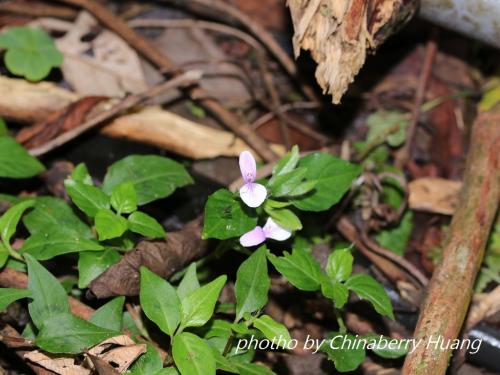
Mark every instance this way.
x=59 y=365
x=434 y=194
x=103 y=66
x=162 y=257
x=116 y=353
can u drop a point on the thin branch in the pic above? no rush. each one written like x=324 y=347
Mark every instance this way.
x=129 y=102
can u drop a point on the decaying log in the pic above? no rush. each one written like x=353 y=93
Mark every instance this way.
x=450 y=290
x=339 y=33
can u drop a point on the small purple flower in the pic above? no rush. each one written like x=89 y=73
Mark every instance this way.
x=258 y=235
x=251 y=193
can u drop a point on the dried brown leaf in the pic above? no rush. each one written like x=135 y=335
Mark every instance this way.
x=433 y=194
x=57 y=364
x=163 y=258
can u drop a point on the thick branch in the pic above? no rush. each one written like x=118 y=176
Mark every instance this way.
x=451 y=286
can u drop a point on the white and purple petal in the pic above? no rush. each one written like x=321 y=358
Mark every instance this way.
x=253 y=194
x=248 y=167
x=275 y=232
x=255 y=237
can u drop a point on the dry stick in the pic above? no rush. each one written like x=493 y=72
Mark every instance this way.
x=129 y=102
x=375 y=252
x=404 y=153
x=450 y=290
x=151 y=53
x=38 y=10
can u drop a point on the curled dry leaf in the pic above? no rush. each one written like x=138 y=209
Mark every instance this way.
x=434 y=194
x=339 y=33
x=162 y=257
x=56 y=364
x=120 y=351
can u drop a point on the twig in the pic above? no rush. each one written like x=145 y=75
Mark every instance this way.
x=450 y=290
x=37 y=9
x=145 y=48
x=404 y=153
x=368 y=248
x=129 y=102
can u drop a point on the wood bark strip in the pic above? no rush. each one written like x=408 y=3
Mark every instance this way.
x=450 y=290
x=340 y=33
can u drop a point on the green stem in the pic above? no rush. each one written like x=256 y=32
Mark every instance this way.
x=340 y=320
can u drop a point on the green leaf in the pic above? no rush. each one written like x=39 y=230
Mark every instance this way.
x=346 y=357
x=272 y=330
x=285 y=183
x=10 y=219
x=284 y=218
x=31 y=52
x=87 y=198
x=154 y=177
x=4 y=131
x=4 y=255
x=110 y=315
x=192 y=355
x=124 y=198
x=81 y=174
x=252 y=369
x=189 y=282
x=252 y=283
x=387 y=126
x=335 y=291
x=57 y=241
x=223 y=363
x=301 y=189
x=369 y=289
x=48 y=296
x=396 y=239
x=386 y=347
x=93 y=263
x=226 y=217
x=198 y=307
x=339 y=265
x=141 y=223
x=9 y=295
x=300 y=268
x=109 y=225
x=54 y=211
x=286 y=164
x=333 y=179
x=65 y=333
x=166 y=371
x=159 y=301
x=148 y=363
x=15 y=162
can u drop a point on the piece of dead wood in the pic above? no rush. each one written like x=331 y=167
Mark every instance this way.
x=451 y=286
x=434 y=194
x=163 y=258
x=339 y=33
x=177 y=134
x=131 y=101
x=31 y=102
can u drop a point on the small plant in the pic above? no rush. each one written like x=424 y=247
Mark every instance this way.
x=30 y=52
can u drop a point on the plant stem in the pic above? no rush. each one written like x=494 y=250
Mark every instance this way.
x=340 y=320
